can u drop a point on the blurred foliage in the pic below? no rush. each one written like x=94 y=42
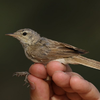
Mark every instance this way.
x=76 y=22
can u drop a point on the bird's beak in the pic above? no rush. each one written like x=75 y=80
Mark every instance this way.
x=13 y=35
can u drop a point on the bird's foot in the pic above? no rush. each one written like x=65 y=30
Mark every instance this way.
x=22 y=74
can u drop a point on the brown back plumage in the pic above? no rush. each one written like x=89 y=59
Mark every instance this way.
x=61 y=50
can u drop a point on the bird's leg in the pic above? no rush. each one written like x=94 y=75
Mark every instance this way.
x=48 y=78
x=22 y=74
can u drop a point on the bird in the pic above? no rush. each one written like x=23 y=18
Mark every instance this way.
x=43 y=50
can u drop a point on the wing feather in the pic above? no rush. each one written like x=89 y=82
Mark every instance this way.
x=59 y=49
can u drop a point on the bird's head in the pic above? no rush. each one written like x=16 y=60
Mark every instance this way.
x=26 y=36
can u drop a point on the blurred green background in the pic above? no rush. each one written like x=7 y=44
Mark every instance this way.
x=76 y=22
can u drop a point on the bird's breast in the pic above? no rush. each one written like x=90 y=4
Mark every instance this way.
x=37 y=55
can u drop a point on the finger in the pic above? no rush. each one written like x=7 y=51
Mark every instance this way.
x=38 y=70
x=75 y=86
x=39 y=89
x=56 y=66
x=73 y=96
x=56 y=97
x=57 y=90
x=85 y=89
x=62 y=79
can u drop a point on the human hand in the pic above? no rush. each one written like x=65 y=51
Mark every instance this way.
x=65 y=84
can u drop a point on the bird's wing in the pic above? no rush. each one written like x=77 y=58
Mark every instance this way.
x=61 y=50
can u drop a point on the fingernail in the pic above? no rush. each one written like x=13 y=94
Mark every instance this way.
x=32 y=86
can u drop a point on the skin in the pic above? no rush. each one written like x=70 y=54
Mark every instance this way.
x=66 y=85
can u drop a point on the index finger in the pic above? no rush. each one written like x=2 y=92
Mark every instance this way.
x=54 y=66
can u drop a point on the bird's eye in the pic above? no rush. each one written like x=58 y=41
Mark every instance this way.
x=24 y=33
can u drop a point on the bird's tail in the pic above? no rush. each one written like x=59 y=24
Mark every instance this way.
x=84 y=61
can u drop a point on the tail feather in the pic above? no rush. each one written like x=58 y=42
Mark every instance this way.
x=84 y=61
